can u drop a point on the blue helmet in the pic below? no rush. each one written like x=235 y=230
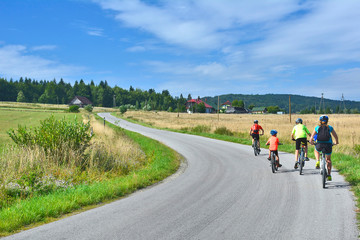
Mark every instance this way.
x=256 y=121
x=324 y=118
x=299 y=120
x=273 y=132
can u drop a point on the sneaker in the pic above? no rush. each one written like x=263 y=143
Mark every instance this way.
x=269 y=159
x=296 y=165
x=329 y=178
x=317 y=165
x=307 y=159
x=278 y=164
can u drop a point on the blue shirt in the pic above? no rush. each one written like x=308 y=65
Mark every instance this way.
x=331 y=129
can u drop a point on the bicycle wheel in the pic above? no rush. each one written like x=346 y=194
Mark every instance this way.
x=301 y=161
x=273 y=163
x=324 y=171
x=255 y=147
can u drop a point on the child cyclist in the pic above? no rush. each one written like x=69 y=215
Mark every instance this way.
x=324 y=142
x=274 y=143
x=298 y=134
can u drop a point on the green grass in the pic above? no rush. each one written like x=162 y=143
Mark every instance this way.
x=161 y=163
x=9 y=118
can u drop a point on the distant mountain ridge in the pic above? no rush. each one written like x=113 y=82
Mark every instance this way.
x=298 y=102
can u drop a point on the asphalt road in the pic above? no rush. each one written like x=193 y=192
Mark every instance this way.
x=225 y=192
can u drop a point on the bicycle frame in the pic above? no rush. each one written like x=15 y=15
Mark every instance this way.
x=301 y=158
x=323 y=169
x=255 y=147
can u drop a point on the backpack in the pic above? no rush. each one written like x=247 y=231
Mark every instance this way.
x=323 y=133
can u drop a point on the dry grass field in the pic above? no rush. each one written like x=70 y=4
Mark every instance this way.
x=347 y=126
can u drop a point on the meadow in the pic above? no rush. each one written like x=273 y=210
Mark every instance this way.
x=38 y=185
x=347 y=126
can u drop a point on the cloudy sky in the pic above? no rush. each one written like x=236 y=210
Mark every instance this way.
x=201 y=47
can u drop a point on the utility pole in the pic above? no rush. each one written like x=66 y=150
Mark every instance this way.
x=290 y=107
x=322 y=104
x=218 y=108
x=343 y=102
x=114 y=101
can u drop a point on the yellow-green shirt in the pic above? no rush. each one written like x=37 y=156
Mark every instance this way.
x=300 y=131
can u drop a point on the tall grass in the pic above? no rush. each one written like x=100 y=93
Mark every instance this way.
x=66 y=159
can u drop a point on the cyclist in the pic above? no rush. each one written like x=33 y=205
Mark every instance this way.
x=298 y=134
x=254 y=132
x=274 y=143
x=324 y=141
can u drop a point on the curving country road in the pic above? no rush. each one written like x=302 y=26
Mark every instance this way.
x=224 y=193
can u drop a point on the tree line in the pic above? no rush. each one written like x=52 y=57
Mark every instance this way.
x=102 y=95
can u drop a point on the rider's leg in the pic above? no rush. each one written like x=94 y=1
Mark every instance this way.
x=328 y=161
x=296 y=155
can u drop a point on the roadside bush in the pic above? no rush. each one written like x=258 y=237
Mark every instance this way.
x=89 y=108
x=223 y=131
x=53 y=135
x=74 y=109
x=201 y=129
x=123 y=109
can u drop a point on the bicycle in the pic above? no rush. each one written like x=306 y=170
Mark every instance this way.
x=274 y=162
x=256 y=147
x=301 y=158
x=323 y=169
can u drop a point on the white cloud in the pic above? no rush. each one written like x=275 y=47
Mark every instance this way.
x=16 y=62
x=327 y=34
x=136 y=49
x=43 y=47
x=98 y=32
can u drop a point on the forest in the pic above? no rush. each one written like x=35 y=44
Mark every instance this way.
x=103 y=95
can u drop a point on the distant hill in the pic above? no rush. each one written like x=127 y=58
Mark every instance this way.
x=298 y=102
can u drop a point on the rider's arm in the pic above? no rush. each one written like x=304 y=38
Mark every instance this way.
x=335 y=136
x=292 y=136
x=312 y=137
x=262 y=130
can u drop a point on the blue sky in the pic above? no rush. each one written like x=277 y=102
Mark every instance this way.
x=201 y=47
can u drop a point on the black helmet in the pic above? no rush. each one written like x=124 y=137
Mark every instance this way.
x=256 y=121
x=299 y=120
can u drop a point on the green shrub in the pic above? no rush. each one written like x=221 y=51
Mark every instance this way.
x=74 y=108
x=89 y=108
x=201 y=129
x=123 y=109
x=223 y=131
x=54 y=134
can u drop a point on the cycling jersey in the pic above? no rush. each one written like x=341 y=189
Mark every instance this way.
x=255 y=128
x=300 y=131
x=274 y=143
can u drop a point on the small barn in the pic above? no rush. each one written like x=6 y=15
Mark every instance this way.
x=237 y=110
x=80 y=101
x=259 y=110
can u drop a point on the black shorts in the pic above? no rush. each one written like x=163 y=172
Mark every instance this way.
x=299 y=141
x=276 y=152
x=255 y=136
x=327 y=147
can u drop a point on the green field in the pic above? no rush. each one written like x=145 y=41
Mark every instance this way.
x=10 y=118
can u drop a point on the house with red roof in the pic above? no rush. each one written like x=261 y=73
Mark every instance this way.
x=191 y=106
